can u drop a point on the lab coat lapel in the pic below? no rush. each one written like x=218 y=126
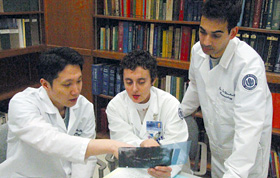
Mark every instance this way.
x=134 y=116
x=152 y=113
x=51 y=111
x=72 y=121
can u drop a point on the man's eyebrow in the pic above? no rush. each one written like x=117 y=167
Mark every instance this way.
x=217 y=31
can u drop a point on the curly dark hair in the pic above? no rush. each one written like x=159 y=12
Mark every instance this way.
x=226 y=10
x=53 y=61
x=139 y=58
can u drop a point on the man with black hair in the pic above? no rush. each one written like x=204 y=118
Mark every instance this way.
x=228 y=80
x=52 y=128
x=144 y=115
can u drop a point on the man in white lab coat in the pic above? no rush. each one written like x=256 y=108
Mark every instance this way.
x=129 y=111
x=228 y=80
x=52 y=128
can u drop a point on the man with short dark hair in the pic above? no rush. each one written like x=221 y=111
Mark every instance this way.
x=228 y=80
x=52 y=128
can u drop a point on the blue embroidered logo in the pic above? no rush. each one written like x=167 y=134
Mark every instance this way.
x=180 y=113
x=250 y=82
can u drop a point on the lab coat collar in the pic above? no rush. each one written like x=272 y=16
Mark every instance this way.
x=52 y=110
x=151 y=112
x=227 y=56
x=229 y=52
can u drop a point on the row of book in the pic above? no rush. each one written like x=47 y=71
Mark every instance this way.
x=267 y=45
x=261 y=14
x=187 y=10
x=106 y=80
x=160 y=40
x=175 y=85
x=18 y=33
x=274 y=167
x=19 y=5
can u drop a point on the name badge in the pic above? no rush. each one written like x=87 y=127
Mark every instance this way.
x=154 y=129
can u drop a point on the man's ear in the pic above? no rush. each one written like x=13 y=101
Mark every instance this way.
x=233 y=32
x=45 y=84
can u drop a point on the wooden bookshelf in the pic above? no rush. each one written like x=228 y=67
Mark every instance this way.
x=164 y=62
x=10 y=93
x=22 y=51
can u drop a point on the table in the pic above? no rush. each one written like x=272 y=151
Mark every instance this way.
x=139 y=173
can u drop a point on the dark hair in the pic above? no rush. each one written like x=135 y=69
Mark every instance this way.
x=55 y=60
x=139 y=58
x=226 y=10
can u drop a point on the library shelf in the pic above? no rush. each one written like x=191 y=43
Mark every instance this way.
x=21 y=13
x=10 y=93
x=22 y=51
x=131 y=19
x=163 y=62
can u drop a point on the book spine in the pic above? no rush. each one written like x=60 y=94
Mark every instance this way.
x=106 y=80
x=257 y=14
x=97 y=78
x=185 y=43
x=120 y=38
x=112 y=74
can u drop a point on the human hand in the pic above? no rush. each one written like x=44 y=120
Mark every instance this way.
x=117 y=145
x=149 y=143
x=160 y=171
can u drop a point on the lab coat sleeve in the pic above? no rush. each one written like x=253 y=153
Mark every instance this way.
x=249 y=118
x=175 y=129
x=190 y=101
x=119 y=128
x=81 y=170
x=28 y=124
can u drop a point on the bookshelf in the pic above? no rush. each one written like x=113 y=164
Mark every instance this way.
x=18 y=60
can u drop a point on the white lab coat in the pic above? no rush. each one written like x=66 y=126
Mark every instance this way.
x=125 y=123
x=237 y=120
x=39 y=144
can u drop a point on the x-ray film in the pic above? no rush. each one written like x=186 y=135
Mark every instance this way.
x=148 y=157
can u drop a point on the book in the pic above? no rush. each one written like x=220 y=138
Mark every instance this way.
x=107 y=37
x=125 y=37
x=164 y=46
x=102 y=38
x=264 y=14
x=269 y=14
x=130 y=37
x=97 y=78
x=185 y=43
x=260 y=44
x=181 y=10
x=112 y=76
x=275 y=23
x=1 y=6
x=5 y=40
x=151 y=45
x=277 y=62
x=169 y=9
x=247 y=11
x=252 y=11
x=253 y=40
x=177 y=43
x=106 y=79
x=270 y=50
x=35 y=38
x=120 y=36
x=257 y=14
x=28 y=37
x=119 y=82
x=170 y=41
x=246 y=37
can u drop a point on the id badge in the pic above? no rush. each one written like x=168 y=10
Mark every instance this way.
x=154 y=129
